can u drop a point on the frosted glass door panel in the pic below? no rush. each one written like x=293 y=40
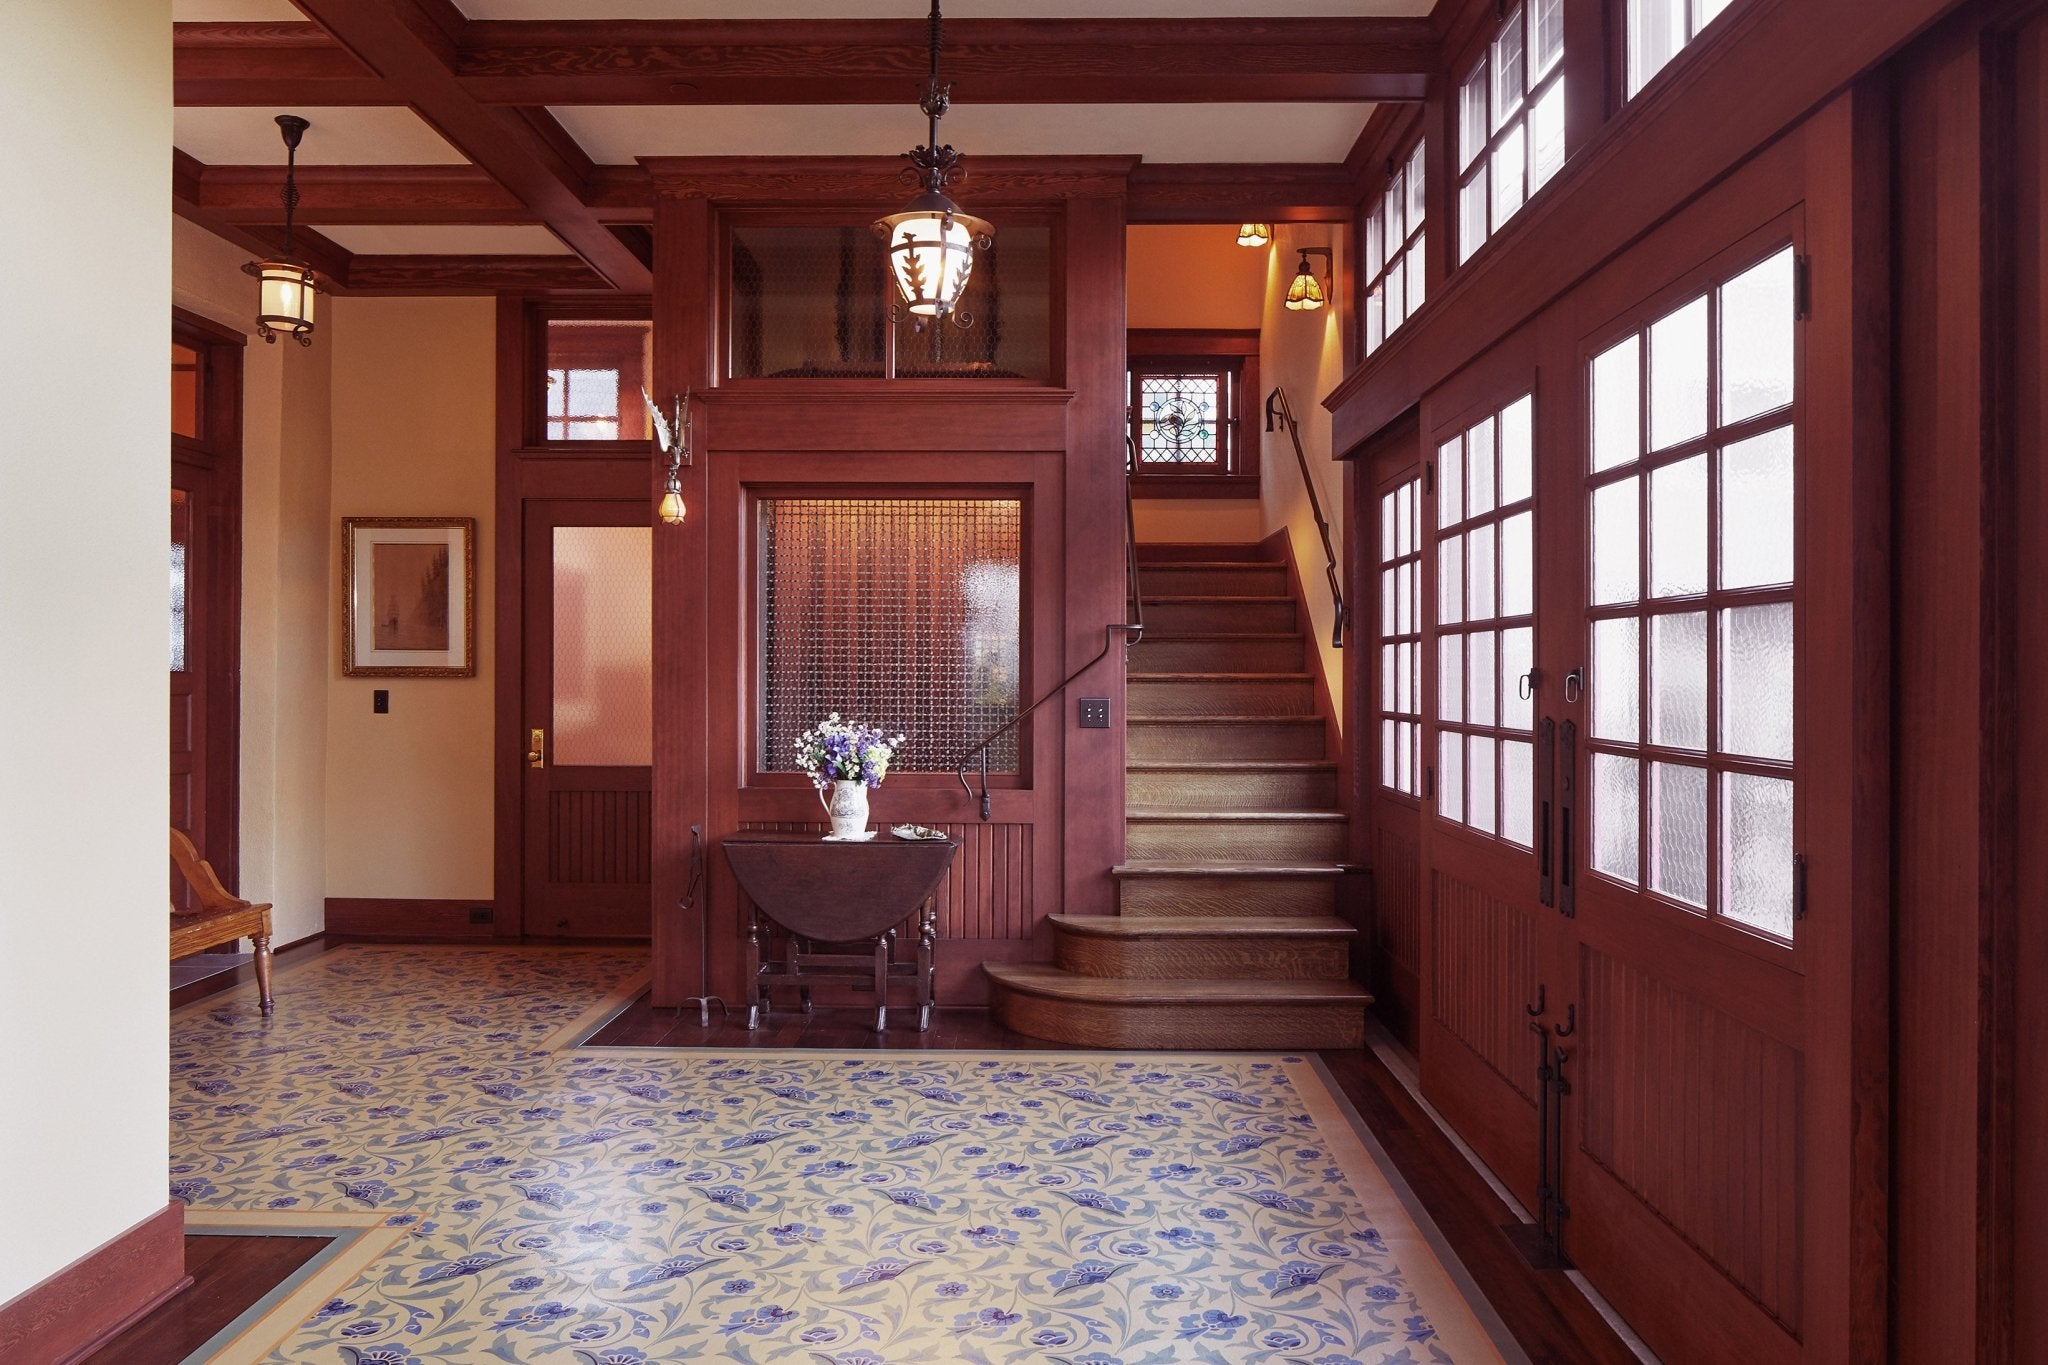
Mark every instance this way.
x=604 y=655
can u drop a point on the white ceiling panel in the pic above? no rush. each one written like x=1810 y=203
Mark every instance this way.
x=235 y=12
x=955 y=9
x=437 y=239
x=365 y=136
x=617 y=135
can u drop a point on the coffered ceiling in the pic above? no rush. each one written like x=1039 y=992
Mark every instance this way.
x=497 y=143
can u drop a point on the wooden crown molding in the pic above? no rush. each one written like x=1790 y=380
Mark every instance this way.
x=611 y=61
x=1240 y=193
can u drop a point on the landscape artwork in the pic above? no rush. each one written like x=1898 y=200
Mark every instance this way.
x=409 y=583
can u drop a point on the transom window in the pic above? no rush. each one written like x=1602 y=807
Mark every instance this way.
x=596 y=368
x=1394 y=253
x=1657 y=29
x=1182 y=418
x=1510 y=121
x=1486 y=626
x=1187 y=397
x=1692 y=570
x=1401 y=638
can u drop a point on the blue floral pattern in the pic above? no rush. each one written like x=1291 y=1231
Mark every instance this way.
x=611 y=1206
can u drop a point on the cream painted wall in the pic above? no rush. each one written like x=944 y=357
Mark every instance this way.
x=1303 y=353
x=286 y=467
x=409 y=794
x=1186 y=277
x=84 y=562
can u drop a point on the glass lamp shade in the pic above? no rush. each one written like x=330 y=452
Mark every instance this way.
x=286 y=301
x=670 y=509
x=1305 y=295
x=931 y=252
x=1254 y=234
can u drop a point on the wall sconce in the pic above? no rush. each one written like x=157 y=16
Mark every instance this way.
x=672 y=434
x=1254 y=234
x=287 y=288
x=1306 y=294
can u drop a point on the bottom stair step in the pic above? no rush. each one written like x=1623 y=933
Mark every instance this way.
x=1205 y=947
x=1045 y=1002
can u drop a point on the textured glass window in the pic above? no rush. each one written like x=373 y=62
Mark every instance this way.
x=604 y=646
x=1657 y=29
x=1694 y=663
x=814 y=301
x=1394 y=279
x=1510 y=122
x=1400 y=700
x=181 y=536
x=900 y=612
x=595 y=371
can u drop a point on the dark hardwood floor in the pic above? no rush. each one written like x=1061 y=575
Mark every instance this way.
x=1543 y=1309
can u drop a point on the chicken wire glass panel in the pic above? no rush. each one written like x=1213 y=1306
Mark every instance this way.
x=596 y=368
x=903 y=613
x=604 y=646
x=813 y=301
x=1180 y=419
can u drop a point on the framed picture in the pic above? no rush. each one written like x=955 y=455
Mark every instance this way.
x=409 y=597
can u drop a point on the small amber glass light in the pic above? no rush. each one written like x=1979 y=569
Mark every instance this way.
x=670 y=509
x=1305 y=295
x=1254 y=234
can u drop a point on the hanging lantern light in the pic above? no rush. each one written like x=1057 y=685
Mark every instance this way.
x=1254 y=234
x=286 y=287
x=931 y=242
x=1306 y=294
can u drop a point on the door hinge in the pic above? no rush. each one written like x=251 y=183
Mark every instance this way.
x=1429 y=476
x=1802 y=287
x=1799 y=886
x=1429 y=782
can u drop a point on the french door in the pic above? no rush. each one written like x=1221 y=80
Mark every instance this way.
x=1616 y=694
x=587 y=681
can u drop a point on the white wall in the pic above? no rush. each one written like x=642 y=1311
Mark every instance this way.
x=85 y=99
x=1303 y=353
x=286 y=598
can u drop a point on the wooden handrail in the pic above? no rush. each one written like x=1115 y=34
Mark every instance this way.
x=1286 y=414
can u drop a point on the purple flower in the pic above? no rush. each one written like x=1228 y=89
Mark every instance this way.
x=533 y=1317
x=759 y=1321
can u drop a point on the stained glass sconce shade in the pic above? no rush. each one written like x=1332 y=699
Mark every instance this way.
x=1306 y=294
x=1254 y=234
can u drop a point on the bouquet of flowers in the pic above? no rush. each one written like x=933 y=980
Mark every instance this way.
x=845 y=751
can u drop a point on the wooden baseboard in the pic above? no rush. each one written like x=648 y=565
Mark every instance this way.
x=97 y=1296
x=392 y=920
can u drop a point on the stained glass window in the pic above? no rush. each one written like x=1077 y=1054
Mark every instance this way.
x=1180 y=419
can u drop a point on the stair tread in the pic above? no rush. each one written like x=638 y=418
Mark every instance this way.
x=1269 y=564
x=1205 y=926
x=1185 y=676
x=1236 y=718
x=1231 y=597
x=1250 y=765
x=1229 y=867
x=1043 y=979
x=1160 y=634
x=1170 y=813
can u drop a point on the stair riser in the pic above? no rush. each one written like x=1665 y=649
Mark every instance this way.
x=1255 y=841
x=1211 y=959
x=1242 y=790
x=1221 y=743
x=1239 y=580
x=1218 y=656
x=1248 y=897
x=1251 y=617
x=1183 y=1026
x=1261 y=697
x=1183 y=553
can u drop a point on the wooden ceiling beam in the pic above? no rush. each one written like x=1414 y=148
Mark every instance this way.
x=372 y=275
x=1263 y=192
x=989 y=61
x=327 y=257
x=360 y=194
x=406 y=42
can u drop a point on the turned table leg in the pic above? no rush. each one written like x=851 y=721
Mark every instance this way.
x=262 y=944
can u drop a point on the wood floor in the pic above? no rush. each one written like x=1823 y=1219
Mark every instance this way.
x=1544 y=1310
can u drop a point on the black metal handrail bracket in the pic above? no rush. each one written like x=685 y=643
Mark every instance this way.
x=1278 y=409
x=1132 y=631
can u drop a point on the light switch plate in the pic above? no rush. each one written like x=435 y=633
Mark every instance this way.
x=1095 y=713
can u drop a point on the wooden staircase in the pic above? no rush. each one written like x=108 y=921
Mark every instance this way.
x=1227 y=933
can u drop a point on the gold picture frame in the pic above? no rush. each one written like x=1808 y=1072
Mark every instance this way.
x=408 y=602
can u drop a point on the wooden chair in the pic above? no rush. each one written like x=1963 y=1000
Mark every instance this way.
x=219 y=918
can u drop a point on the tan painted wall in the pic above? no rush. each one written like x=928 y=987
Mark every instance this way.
x=286 y=467
x=85 y=99
x=409 y=794
x=1196 y=276
x=1303 y=353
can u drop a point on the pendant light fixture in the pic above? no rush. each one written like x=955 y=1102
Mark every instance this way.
x=931 y=242
x=1306 y=294
x=285 y=300
x=1254 y=234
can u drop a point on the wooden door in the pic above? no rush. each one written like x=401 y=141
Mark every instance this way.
x=205 y=591
x=1484 y=866
x=1390 y=790
x=587 y=688
x=1689 y=1103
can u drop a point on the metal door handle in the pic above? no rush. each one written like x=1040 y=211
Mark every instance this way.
x=1574 y=686
x=536 y=748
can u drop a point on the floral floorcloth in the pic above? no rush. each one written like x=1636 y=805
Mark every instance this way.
x=601 y=1206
